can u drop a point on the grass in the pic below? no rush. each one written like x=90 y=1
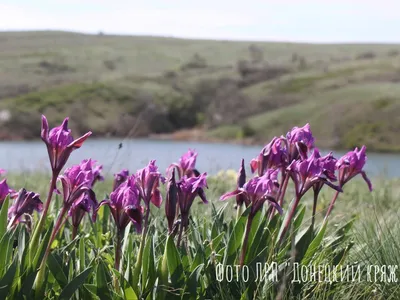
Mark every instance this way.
x=184 y=84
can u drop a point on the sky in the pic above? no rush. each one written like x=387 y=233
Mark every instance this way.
x=323 y=21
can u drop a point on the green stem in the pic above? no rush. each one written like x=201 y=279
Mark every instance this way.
x=180 y=235
x=118 y=249
x=239 y=211
x=138 y=265
x=282 y=191
x=331 y=206
x=289 y=219
x=39 y=280
x=74 y=232
x=281 y=194
x=246 y=240
x=163 y=279
x=314 y=210
x=118 y=255
x=35 y=237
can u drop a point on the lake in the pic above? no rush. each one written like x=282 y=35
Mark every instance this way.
x=19 y=156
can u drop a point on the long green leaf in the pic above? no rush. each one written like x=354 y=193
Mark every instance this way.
x=149 y=269
x=7 y=280
x=313 y=247
x=193 y=282
x=4 y=216
x=57 y=271
x=101 y=282
x=41 y=249
x=6 y=248
x=175 y=267
x=74 y=284
x=235 y=239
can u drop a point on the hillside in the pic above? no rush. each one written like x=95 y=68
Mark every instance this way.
x=223 y=90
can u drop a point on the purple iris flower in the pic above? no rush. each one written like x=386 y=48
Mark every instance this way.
x=119 y=178
x=96 y=170
x=60 y=143
x=148 y=182
x=300 y=140
x=84 y=204
x=273 y=155
x=188 y=188
x=241 y=180
x=186 y=165
x=258 y=190
x=352 y=164
x=312 y=172
x=125 y=206
x=5 y=191
x=79 y=198
x=76 y=181
x=25 y=204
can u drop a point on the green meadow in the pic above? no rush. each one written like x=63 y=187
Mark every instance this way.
x=234 y=91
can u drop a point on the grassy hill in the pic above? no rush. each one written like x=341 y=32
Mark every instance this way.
x=138 y=86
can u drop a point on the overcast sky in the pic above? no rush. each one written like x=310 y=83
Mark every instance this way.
x=279 y=20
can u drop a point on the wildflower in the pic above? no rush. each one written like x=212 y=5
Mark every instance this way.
x=241 y=180
x=300 y=141
x=119 y=178
x=86 y=203
x=328 y=165
x=79 y=197
x=4 y=191
x=258 y=190
x=148 y=182
x=186 y=165
x=76 y=180
x=188 y=189
x=125 y=206
x=25 y=204
x=311 y=172
x=273 y=155
x=60 y=143
x=96 y=170
x=352 y=164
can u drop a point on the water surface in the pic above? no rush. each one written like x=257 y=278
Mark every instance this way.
x=22 y=156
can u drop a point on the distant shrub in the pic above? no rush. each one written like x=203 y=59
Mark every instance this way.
x=256 y=54
x=362 y=132
x=393 y=52
x=244 y=67
x=196 y=62
x=302 y=63
x=295 y=57
x=366 y=55
x=110 y=64
x=21 y=124
x=54 y=67
x=170 y=74
x=382 y=103
x=247 y=130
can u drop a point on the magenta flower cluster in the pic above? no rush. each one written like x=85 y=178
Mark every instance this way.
x=293 y=157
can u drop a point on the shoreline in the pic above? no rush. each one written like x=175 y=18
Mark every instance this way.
x=191 y=135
